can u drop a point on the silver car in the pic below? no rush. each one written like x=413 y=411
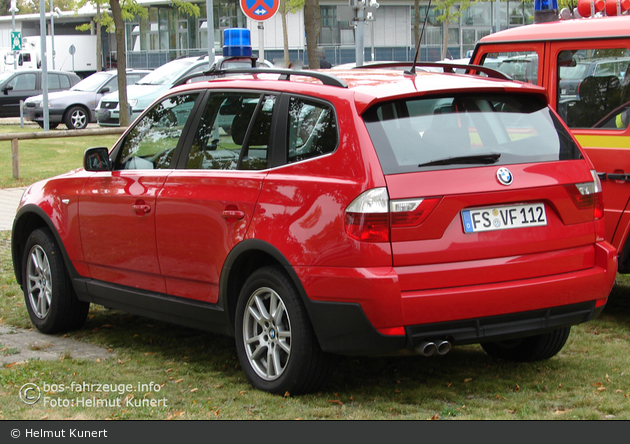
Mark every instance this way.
x=75 y=107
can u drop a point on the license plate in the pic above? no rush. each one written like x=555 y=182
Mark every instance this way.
x=502 y=218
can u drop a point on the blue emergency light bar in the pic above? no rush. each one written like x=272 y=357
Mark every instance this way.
x=237 y=42
x=545 y=11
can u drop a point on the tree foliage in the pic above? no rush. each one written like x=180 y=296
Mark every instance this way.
x=32 y=6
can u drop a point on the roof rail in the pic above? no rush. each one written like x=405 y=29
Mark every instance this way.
x=446 y=66
x=285 y=74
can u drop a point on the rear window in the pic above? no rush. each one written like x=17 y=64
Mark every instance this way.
x=466 y=131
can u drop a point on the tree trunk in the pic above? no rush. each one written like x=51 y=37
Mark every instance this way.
x=312 y=22
x=99 y=43
x=121 y=59
x=445 y=39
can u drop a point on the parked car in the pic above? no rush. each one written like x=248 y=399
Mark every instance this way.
x=19 y=85
x=75 y=107
x=369 y=212
x=152 y=86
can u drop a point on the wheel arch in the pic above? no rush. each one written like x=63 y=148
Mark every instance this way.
x=28 y=219
x=242 y=261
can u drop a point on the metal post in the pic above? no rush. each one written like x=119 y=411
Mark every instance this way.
x=13 y=10
x=52 y=33
x=261 y=42
x=210 y=26
x=359 y=6
x=42 y=27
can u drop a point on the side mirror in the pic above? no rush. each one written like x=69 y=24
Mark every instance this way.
x=6 y=89
x=104 y=90
x=97 y=159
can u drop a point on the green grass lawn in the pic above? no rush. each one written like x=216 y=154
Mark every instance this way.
x=44 y=158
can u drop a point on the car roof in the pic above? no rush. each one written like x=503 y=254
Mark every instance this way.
x=39 y=70
x=576 y=29
x=368 y=86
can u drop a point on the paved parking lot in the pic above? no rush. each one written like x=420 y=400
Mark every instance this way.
x=9 y=200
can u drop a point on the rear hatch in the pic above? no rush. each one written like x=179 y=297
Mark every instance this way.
x=482 y=189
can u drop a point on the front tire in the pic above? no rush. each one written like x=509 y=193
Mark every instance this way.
x=533 y=348
x=275 y=341
x=76 y=118
x=50 y=298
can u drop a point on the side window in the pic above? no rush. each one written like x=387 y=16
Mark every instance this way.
x=233 y=133
x=64 y=82
x=591 y=91
x=312 y=130
x=154 y=138
x=522 y=65
x=23 y=82
x=53 y=81
x=112 y=84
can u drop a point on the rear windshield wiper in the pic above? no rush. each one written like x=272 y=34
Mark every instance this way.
x=485 y=159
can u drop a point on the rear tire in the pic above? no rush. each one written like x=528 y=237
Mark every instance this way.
x=50 y=299
x=275 y=341
x=533 y=348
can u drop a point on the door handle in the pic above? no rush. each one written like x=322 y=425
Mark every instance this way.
x=233 y=214
x=141 y=208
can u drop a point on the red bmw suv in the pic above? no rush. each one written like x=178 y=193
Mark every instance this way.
x=319 y=213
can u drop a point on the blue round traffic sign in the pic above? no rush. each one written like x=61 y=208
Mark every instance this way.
x=259 y=10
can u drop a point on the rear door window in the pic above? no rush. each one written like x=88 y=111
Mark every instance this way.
x=466 y=131
x=234 y=132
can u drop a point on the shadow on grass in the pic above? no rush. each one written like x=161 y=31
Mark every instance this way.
x=204 y=352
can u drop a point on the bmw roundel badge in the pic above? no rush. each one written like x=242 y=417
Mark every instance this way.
x=505 y=176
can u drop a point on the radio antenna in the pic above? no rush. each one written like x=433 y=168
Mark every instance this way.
x=415 y=58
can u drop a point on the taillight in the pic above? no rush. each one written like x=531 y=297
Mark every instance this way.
x=411 y=212
x=370 y=216
x=587 y=195
x=367 y=216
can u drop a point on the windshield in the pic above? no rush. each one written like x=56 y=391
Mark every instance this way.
x=466 y=131
x=166 y=74
x=92 y=83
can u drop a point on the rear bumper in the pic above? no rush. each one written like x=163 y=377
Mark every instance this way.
x=348 y=306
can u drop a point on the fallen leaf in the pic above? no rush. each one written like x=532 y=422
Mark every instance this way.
x=467 y=379
x=179 y=380
x=601 y=389
x=335 y=401
x=194 y=390
x=435 y=417
x=517 y=388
